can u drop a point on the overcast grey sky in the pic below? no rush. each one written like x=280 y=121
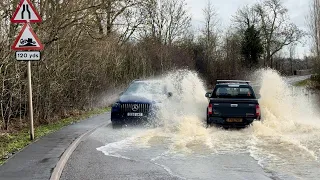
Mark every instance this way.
x=297 y=9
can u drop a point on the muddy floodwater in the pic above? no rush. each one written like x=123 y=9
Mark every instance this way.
x=286 y=144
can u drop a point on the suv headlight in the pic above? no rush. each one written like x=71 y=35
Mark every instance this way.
x=117 y=104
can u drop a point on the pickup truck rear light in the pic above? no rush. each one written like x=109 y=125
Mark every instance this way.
x=258 y=112
x=210 y=109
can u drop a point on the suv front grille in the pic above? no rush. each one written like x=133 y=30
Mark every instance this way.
x=133 y=107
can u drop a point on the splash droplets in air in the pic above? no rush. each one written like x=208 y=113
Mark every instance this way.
x=286 y=140
x=182 y=117
x=283 y=107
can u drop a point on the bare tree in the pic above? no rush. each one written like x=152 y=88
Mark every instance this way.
x=210 y=32
x=166 y=20
x=271 y=18
x=314 y=25
x=114 y=17
x=245 y=18
x=292 y=51
x=276 y=29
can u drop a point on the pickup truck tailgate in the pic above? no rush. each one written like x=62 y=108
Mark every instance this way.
x=234 y=107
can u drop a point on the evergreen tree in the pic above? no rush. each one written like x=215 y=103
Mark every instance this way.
x=251 y=47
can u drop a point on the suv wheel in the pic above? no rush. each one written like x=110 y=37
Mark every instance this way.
x=116 y=125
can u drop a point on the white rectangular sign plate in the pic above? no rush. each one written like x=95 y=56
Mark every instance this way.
x=135 y=114
x=28 y=55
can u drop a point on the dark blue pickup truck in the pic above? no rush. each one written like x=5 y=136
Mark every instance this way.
x=139 y=102
x=232 y=103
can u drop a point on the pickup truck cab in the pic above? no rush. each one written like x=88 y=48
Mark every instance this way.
x=232 y=103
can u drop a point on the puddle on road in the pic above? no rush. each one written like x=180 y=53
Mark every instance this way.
x=287 y=142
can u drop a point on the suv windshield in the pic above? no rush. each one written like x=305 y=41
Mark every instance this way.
x=145 y=88
x=233 y=92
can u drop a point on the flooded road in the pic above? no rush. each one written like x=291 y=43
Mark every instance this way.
x=285 y=145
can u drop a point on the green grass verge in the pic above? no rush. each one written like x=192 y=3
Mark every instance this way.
x=11 y=143
x=303 y=83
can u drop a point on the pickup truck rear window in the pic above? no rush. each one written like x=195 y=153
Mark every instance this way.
x=233 y=92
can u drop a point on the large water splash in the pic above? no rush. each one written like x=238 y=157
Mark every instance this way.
x=286 y=140
x=181 y=118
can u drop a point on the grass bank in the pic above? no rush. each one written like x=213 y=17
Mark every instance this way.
x=10 y=143
x=306 y=82
x=312 y=83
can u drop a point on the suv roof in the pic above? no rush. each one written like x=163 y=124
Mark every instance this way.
x=147 y=80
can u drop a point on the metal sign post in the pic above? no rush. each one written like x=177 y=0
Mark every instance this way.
x=30 y=101
x=27 y=40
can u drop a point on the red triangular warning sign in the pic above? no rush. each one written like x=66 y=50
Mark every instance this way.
x=26 y=12
x=27 y=40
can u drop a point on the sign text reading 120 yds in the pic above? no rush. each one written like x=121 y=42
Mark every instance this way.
x=28 y=56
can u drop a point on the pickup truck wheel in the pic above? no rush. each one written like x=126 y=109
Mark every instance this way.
x=208 y=123
x=207 y=119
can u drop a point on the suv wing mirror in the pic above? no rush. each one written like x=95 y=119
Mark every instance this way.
x=208 y=94
x=258 y=96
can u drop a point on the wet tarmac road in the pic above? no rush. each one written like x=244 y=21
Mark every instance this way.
x=125 y=161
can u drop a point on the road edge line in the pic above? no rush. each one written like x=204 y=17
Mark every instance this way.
x=57 y=171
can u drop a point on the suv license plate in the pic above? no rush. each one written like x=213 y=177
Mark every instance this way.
x=135 y=114
x=237 y=120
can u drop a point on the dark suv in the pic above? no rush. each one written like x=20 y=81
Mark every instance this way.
x=138 y=103
x=232 y=103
